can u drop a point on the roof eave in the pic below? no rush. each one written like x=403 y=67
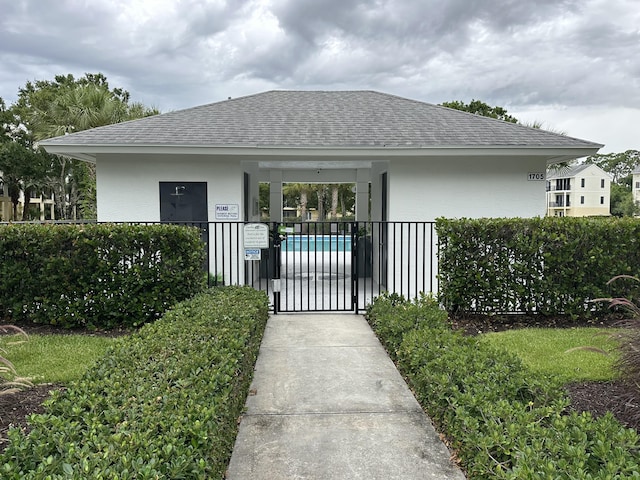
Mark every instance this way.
x=553 y=154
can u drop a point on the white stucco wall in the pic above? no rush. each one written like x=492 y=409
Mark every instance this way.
x=419 y=189
x=128 y=190
x=128 y=186
x=425 y=189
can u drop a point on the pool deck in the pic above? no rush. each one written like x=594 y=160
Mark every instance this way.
x=320 y=281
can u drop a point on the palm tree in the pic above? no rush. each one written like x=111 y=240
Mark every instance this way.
x=73 y=109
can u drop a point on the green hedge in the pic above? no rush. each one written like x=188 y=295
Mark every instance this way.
x=540 y=265
x=97 y=275
x=502 y=420
x=164 y=403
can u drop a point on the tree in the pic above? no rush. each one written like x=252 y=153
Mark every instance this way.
x=297 y=194
x=480 y=108
x=22 y=167
x=67 y=105
x=619 y=165
x=622 y=204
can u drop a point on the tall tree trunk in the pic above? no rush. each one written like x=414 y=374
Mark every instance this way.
x=14 y=193
x=26 y=204
x=334 y=201
x=321 y=195
x=303 y=204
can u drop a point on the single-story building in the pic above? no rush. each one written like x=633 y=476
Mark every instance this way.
x=419 y=161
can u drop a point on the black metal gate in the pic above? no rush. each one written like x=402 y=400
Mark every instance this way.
x=327 y=266
x=317 y=267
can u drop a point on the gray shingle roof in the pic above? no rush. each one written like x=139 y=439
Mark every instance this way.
x=570 y=172
x=313 y=119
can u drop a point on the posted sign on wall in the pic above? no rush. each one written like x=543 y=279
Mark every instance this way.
x=227 y=211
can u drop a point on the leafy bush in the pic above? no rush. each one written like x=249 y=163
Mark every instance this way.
x=537 y=265
x=393 y=316
x=97 y=275
x=502 y=420
x=163 y=404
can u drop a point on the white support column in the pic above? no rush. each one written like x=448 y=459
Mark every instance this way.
x=275 y=195
x=362 y=194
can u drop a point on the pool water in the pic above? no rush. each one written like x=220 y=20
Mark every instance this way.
x=317 y=243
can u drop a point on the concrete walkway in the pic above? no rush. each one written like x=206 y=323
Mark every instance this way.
x=327 y=403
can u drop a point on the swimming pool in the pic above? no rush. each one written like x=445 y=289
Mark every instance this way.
x=317 y=243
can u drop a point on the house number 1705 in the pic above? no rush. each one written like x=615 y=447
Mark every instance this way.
x=537 y=176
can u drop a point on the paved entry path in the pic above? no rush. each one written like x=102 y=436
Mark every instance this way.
x=327 y=403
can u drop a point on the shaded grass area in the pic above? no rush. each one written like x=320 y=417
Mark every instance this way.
x=566 y=354
x=54 y=358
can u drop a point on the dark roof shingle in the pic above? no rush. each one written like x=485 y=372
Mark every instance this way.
x=316 y=119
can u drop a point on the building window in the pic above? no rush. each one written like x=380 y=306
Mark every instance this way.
x=601 y=200
x=637 y=184
x=582 y=182
x=582 y=200
x=568 y=201
x=559 y=202
x=1 y=188
x=602 y=183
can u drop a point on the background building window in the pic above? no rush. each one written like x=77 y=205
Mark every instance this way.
x=582 y=199
x=602 y=183
x=582 y=182
x=601 y=200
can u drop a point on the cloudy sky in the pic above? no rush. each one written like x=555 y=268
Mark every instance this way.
x=572 y=64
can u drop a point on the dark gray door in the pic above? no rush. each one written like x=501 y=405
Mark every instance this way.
x=183 y=202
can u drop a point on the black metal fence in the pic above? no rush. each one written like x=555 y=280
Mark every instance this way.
x=327 y=266
x=323 y=266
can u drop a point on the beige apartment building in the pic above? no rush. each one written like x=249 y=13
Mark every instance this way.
x=580 y=191
x=636 y=185
x=41 y=207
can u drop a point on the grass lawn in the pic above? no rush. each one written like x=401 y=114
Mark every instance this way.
x=552 y=351
x=53 y=358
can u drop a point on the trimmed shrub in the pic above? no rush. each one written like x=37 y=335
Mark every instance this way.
x=163 y=404
x=502 y=420
x=537 y=265
x=99 y=276
x=391 y=316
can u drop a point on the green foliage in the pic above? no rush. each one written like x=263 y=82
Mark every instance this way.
x=51 y=108
x=628 y=364
x=502 y=420
x=539 y=265
x=622 y=204
x=480 y=108
x=163 y=404
x=10 y=381
x=619 y=165
x=97 y=275
x=391 y=316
